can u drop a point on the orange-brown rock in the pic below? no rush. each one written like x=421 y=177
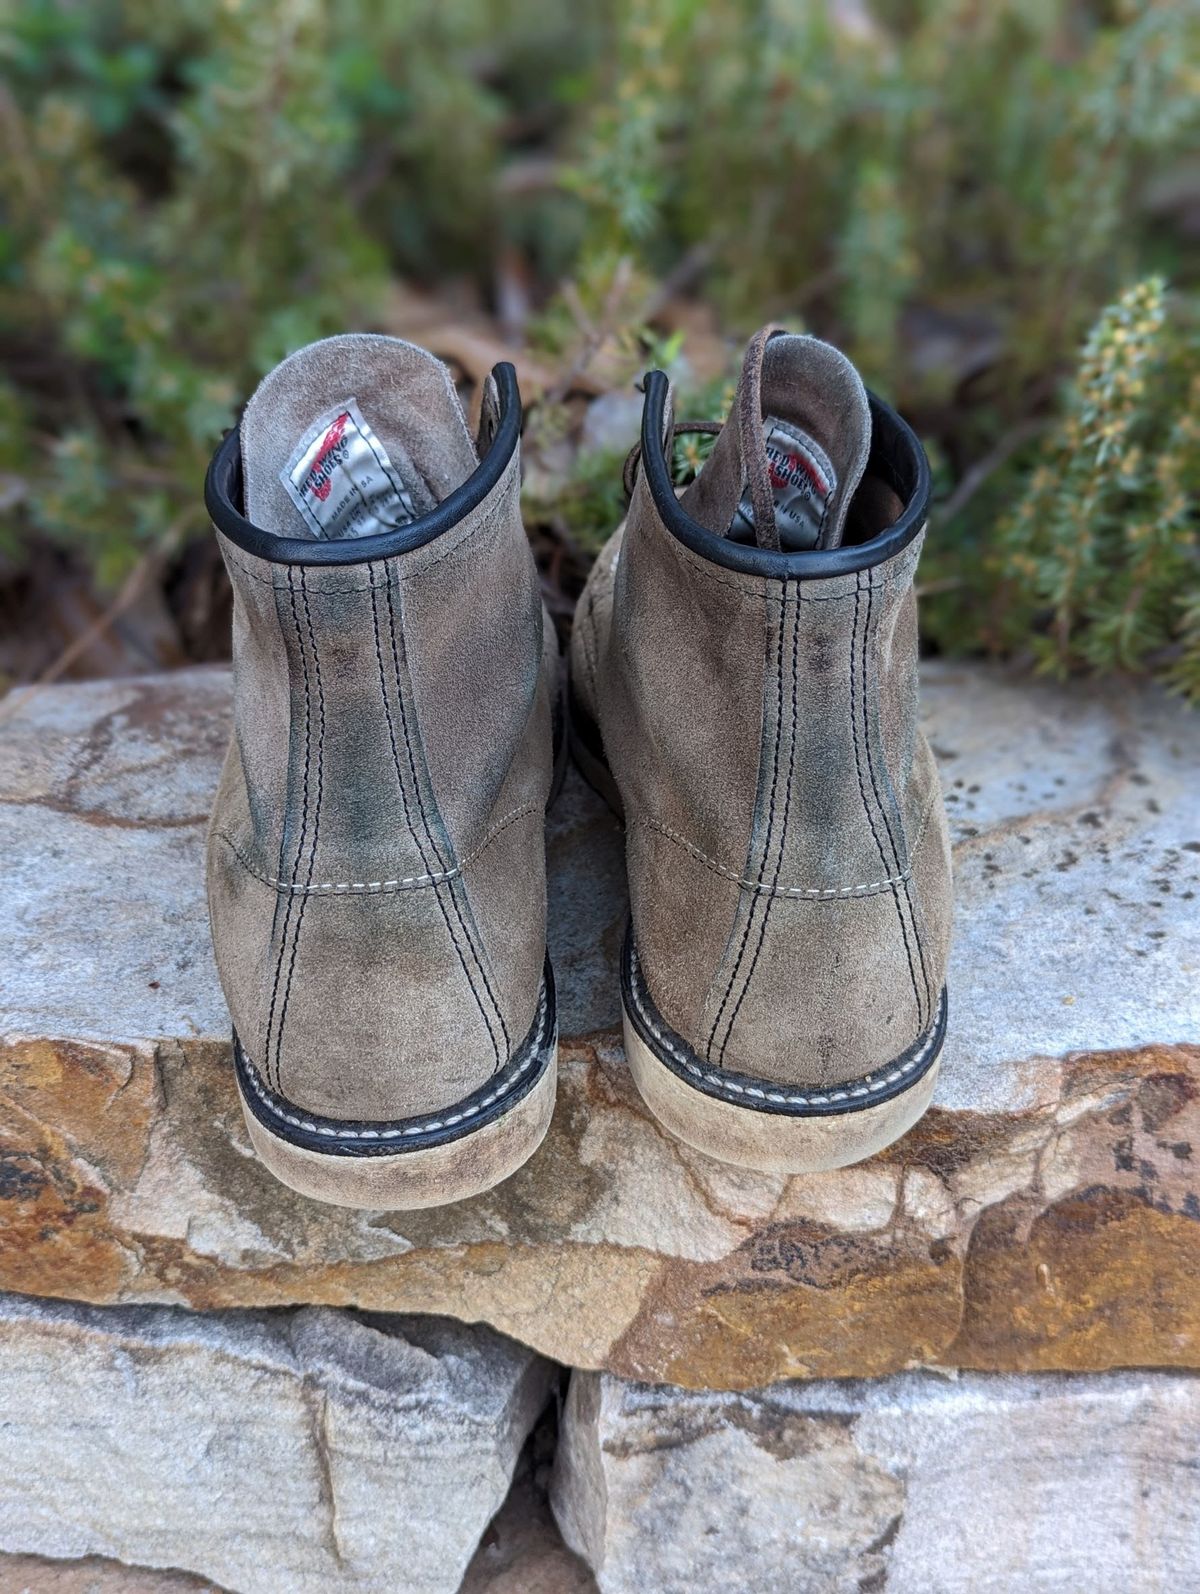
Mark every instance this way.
x=1044 y=1215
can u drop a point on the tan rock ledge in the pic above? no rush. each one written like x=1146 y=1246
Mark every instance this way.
x=1044 y=1215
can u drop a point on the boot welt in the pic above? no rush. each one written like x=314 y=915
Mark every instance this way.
x=423 y=1161
x=759 y=1123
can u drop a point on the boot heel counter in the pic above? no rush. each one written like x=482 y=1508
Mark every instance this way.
x=381 y=1006
x=868 y=957
x=357 y=998
x=352 y=962
x=368 y=1002
x=393 y=695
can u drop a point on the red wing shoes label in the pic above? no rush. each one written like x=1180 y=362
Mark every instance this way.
x=802 y=483
x=341 y=480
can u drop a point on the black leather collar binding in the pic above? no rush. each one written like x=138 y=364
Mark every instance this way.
x=896 y=456
x=223 y=498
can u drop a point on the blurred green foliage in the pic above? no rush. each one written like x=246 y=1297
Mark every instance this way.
x=953 y=191
x=1103 y=535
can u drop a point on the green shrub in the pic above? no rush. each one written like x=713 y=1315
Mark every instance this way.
x=1097 y=564
x=953 y=191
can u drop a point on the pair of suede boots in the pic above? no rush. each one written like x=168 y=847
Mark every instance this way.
x=743 y=690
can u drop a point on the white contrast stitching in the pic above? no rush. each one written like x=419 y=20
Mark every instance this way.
x=349 y=887
x=268 y=581
x=810 y=893
x=868 y=1085
x=536 y=1055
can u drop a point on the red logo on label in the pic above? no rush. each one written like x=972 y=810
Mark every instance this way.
x=317 y=481
x=784 y=472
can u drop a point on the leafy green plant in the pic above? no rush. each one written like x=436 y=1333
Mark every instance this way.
x=862 y=162
x=1097 y=565
x=952 y=191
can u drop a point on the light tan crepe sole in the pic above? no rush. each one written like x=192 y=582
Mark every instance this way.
x=771 y=1142
x=428 y=1177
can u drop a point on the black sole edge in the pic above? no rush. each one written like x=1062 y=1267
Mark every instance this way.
x=363 y=1138
x=749 y=1094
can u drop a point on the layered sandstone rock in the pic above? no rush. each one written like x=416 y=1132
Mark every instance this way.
x=1044 y=1214
x=910 y=1484
x=305 y=1450
x=38 y=1574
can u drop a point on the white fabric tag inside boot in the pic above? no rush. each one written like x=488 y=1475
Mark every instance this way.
x=341 y=480
x=803 y=482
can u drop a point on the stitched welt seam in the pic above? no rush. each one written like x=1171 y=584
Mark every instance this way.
x=810 y=893
x=868 y=1085
x=445 y=1121
x=417 y=882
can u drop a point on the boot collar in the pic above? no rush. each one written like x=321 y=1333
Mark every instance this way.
x=223 y=496
x=896 y=456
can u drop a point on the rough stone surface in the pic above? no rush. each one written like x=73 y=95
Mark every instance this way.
x=306 y=1451
x=1044 y=1214
x=915 y=1484
x=35 y=1574
x=522 y=1551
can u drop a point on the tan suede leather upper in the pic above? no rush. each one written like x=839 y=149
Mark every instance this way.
x=788 y=858
x=376 y=860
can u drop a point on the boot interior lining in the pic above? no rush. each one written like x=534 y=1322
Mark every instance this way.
x=405 y=396
x=874 y=507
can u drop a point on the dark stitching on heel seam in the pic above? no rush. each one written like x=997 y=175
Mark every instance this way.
x=863 y=792
x=783 y=829
x=287 y=918
x=387 y=712
x=312 y=853
x=766 y=852
x=901 y=865
x=458 y=913
x=670 y=1049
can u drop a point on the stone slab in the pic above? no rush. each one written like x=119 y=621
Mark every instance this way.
x=1043 y=1215
x=521 y=1552
x=307 y=1450
x=914 y=1484
x=38 y=1574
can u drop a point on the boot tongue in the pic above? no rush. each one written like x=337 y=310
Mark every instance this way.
x=342 y=480
x=350 y=437
x=803 y=483
x=794 y=449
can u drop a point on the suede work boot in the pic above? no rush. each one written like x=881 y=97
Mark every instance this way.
x=744 y=679
x=376 y=864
